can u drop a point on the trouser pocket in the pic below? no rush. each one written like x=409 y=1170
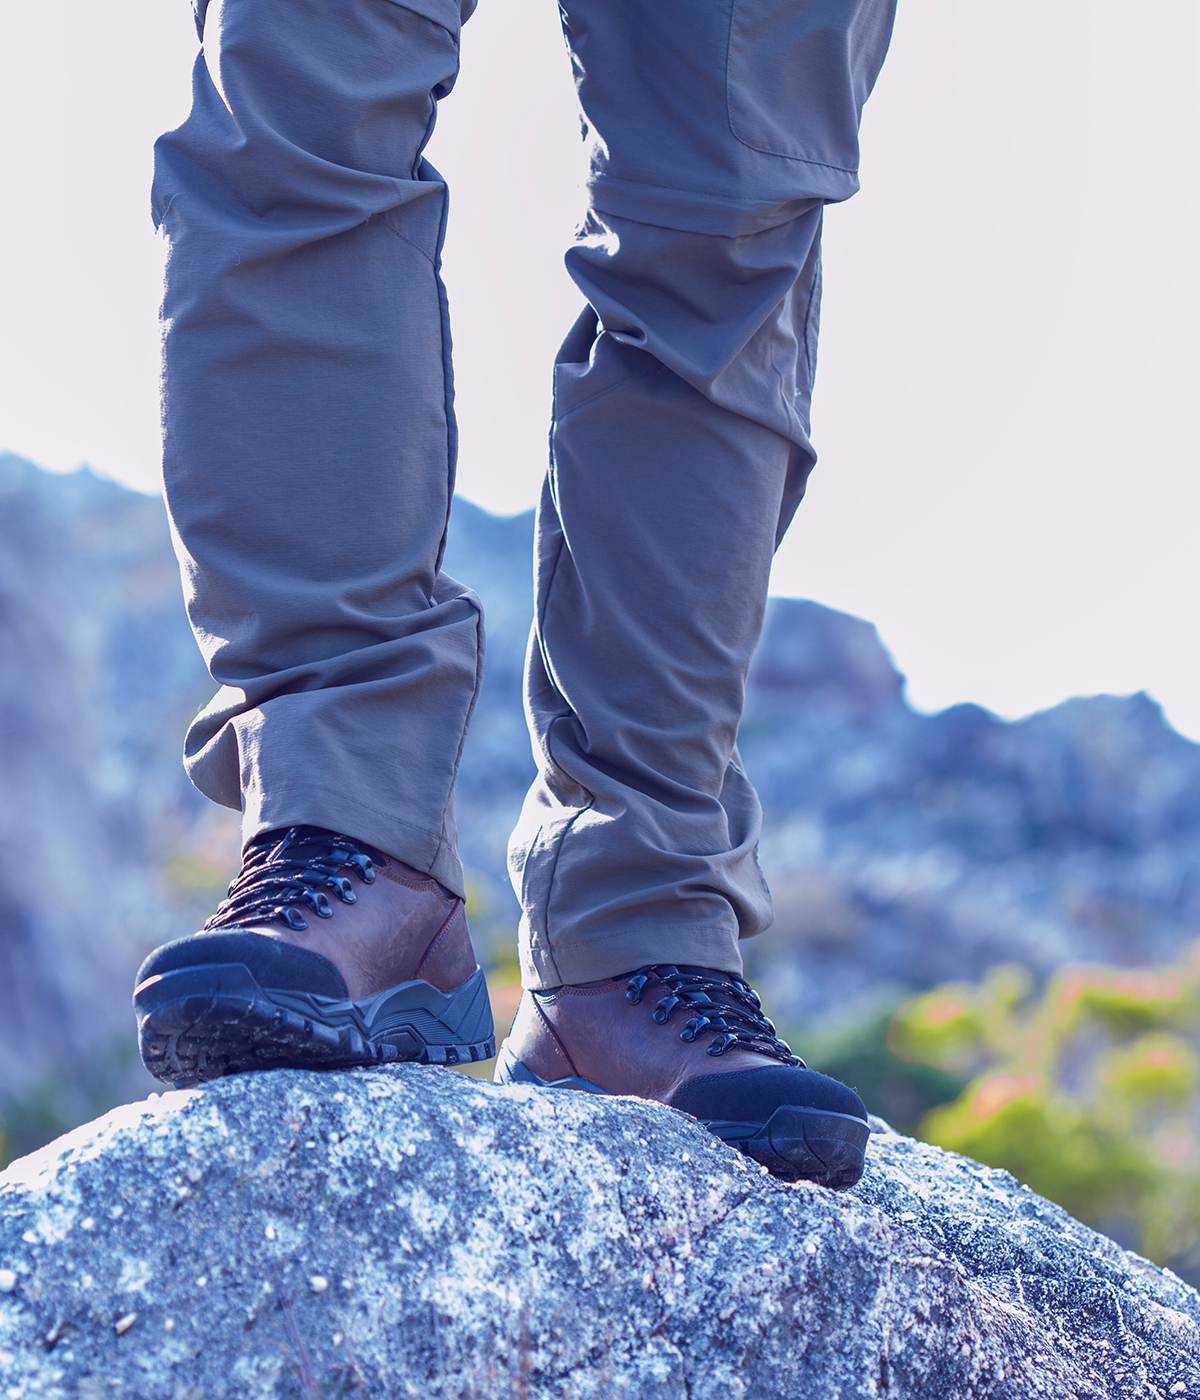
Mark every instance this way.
x=798 y=75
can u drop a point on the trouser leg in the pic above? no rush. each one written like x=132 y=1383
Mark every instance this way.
x=680 y=450
x=309 y=432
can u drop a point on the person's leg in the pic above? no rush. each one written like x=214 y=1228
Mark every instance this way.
x=309 y=462
x=680 y=451
x=308 y=425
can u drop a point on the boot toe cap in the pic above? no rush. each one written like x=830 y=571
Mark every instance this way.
x=800 y=1125
x=755 y=1094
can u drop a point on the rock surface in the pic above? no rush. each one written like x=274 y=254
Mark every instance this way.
x=413 y=1232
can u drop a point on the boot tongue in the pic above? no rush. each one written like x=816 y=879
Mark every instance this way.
x=310 y=840
x=711 y=974
x=286 y=871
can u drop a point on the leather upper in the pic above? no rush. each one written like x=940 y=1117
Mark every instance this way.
x=592 y=1031
x=402 y=926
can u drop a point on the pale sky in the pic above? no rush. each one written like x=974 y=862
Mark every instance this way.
x=1009 y=484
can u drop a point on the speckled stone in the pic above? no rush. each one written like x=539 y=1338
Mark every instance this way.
x=413 y=1232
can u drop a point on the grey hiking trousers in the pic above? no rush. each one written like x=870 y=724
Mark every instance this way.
x=310 y=442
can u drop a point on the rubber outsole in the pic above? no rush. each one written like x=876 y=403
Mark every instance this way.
x=802 y=1144
x=202 y=1023
x=795 y=1143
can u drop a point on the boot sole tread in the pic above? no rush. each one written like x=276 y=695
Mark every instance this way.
x=205 y=1022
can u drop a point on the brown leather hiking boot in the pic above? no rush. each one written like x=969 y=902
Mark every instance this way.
x=696 y=1039
x=285 y=975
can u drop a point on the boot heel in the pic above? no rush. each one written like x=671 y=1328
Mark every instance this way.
x=510 y=1070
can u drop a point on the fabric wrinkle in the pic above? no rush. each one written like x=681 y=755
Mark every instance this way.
x=310 y=442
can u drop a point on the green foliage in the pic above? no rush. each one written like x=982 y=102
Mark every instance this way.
x=1088 y=1092
x=33 y=1119
x=894 y=1088
x=58 y=1102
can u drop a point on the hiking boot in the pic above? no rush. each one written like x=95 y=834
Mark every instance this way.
x=696 y=1039
x=326 y=954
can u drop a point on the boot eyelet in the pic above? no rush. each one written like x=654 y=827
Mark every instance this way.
x=364 y=867
x=721 y=1003
x=665 y=1010
x=280 y=877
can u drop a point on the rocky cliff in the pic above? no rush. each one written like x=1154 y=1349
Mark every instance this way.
x=903 y=848
x=412 y=1232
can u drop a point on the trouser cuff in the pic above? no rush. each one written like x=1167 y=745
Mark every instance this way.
x=629 y=948
x=430 y=852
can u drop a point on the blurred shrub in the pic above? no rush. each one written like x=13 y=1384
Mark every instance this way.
x=895 y=1088
x=58 y=1101
x=1089 y=1092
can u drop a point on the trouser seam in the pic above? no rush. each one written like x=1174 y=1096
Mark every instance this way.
x=451 y=472
x=447 y=377
x=462 y=739
x=543 y=606
x=404 y=238
x=540 y=621
x=814 y=301
x=558 y=847
x=748 y=205
x=600 y=393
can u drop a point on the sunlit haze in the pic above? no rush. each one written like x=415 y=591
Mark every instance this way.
x=1009 y=483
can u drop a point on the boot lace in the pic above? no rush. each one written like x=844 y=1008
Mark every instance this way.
x=719 y=1002
x=281 y=874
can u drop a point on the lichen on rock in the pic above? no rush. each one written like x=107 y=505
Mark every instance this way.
x=412 y=1232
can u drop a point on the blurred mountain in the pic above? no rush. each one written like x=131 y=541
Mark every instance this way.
x=97 y=674
x=904 y=849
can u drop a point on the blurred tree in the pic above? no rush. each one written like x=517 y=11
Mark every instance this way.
x=1088 y=1093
